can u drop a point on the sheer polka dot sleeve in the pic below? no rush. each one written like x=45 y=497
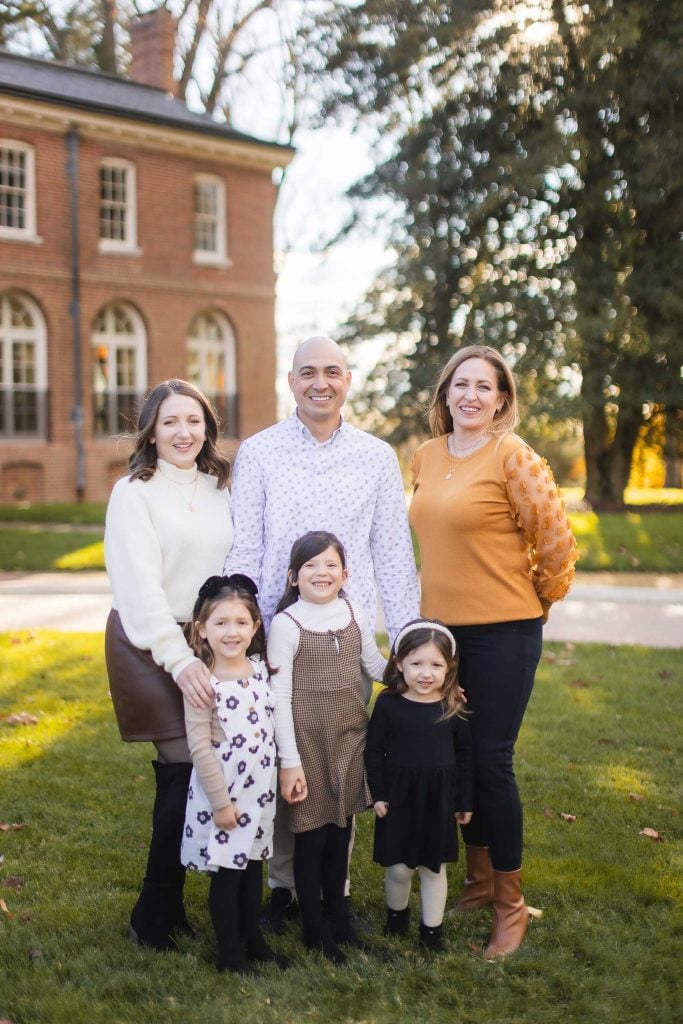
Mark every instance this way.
x=538 y=508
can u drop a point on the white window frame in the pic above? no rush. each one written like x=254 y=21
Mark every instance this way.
x=113 y=340
x=29 y=232
x=226 y=345
x=128 y=245
x=217 y=257
x=36 y=335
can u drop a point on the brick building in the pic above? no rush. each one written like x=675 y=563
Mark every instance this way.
x=135 y=244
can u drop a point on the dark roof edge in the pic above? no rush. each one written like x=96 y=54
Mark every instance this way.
x=208 y=126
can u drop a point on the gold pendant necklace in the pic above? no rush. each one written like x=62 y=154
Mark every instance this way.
x=479 y=443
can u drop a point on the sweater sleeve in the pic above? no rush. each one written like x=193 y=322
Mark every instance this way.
x=464 y=759
x=375 y=751
x=134 y=565
x=538 y=508
x=283 y=643
x=198 y=725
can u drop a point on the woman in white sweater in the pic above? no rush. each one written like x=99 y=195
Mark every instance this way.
x=168 y=528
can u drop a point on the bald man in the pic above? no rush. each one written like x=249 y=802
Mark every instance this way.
x=314 y=471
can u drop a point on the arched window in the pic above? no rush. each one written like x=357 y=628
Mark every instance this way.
x=23 y=367
x=211 y=364
x=119 y=368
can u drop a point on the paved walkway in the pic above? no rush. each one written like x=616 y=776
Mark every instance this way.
x=611 y=608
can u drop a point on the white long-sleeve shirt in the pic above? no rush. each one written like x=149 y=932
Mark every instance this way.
x=283 y=644
x=158 y=553
x=286 y=483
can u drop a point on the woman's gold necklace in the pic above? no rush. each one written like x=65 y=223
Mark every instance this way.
x=178 y=483
x=479 y=443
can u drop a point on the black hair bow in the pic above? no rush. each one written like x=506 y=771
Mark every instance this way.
x=238 y=581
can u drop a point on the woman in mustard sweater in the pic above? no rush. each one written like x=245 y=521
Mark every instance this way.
x=496 y=550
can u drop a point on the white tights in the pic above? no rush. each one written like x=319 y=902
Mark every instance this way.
x=433 y=891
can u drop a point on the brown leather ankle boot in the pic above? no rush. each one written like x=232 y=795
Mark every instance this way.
x=477 y=890
x=511 y=914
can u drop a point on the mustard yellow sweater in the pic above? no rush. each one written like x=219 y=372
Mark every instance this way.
x=495 y=541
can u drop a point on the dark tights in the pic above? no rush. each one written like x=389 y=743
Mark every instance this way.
x=320 y=863
x=497 y=665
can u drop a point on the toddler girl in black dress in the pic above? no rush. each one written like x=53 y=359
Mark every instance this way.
x=418 y=758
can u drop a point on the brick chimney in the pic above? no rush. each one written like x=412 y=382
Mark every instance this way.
x=152 y=41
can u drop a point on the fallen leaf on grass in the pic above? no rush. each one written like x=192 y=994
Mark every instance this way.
x=35 y=953
x=25 y=917
x=567 y=817
x=548 y=812
x=534 y=912
x=139 y=778
x=22 y=718
x=5 y=909
x=665 y=673
x=5 y=826
x=474 y=949
x=651 y=833
x=13 y=882
x=579 y=684
x=607 y=741
x=636 y=796
x=566 y=661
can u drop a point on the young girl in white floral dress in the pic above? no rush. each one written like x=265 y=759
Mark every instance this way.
x=231 y=799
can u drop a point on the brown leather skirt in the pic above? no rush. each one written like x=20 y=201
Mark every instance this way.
x=147 y=702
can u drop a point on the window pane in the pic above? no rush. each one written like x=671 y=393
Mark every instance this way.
x=13 y=188
x=206 y=207
x=25 y=412
x=113 y=202
x=125 y=368
x=23 y=362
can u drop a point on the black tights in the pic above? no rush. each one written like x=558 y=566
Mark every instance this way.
x=497 y=665
x=235 y=905
x=320 y=862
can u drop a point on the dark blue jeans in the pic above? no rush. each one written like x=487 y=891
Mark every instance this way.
x=497 y=666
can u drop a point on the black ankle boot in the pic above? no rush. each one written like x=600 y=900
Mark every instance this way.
x=431 y=938
x=321 y=939
x=397 y=921
x=159 y=913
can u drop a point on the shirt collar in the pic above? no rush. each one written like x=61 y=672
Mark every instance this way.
x=308 y=436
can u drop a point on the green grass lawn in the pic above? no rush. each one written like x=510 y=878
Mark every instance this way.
x=601 y=742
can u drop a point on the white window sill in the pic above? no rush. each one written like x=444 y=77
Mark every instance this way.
x=13 y=235
x=109 y=248
x=211 y=259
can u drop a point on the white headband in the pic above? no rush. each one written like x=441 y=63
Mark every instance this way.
x=424 y=624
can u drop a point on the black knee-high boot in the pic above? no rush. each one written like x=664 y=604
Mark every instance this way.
x=250 y=896
x=159 y=911
x=224 y=899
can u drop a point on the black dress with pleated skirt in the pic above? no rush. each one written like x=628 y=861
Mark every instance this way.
x=422 y=767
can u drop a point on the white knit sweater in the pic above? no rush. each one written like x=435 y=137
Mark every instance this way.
x=158 y=553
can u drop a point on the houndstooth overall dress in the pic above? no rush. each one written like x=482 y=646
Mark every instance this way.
x=330 y=724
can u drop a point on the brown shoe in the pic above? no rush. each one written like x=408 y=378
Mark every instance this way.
x=511 y=914
x=477 y=890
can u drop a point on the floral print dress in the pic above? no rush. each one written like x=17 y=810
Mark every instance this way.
x=248 y=760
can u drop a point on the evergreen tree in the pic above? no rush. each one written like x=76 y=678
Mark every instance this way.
x=534 y=164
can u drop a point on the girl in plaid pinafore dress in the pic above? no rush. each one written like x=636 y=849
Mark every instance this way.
x=318 y=642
